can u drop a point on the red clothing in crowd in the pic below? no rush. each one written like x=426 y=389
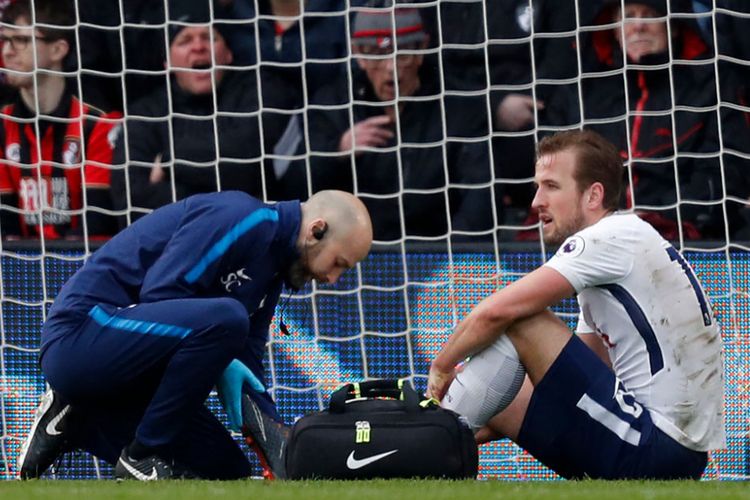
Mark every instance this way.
x=48 y=176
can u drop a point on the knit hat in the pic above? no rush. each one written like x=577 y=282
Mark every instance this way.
x=185 y=13
x=374 y=27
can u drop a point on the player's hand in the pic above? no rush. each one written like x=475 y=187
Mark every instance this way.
x=235 y=376
x=157 y=171
x=372 y=132
x=516 y=111
x=438 y=381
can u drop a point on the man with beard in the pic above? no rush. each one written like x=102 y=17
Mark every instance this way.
x=637 y=393
x=176 y=303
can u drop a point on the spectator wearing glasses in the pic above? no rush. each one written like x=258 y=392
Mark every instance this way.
x=6 y=91
x=55 y=150
x=393 y=152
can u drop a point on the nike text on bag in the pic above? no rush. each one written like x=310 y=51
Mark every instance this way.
x=381 y=428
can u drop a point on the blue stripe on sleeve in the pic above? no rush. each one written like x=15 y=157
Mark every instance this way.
x=641 y=324
x=133 y=325
x=234 y=234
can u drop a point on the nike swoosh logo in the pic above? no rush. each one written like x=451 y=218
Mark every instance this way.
x=138 y=474
x=355 y=464
x=52 y=425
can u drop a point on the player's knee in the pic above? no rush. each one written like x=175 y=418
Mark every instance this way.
x=487 y=385
x=232 y=318
x=477 y=404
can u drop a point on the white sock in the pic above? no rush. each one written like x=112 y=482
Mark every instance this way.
x=487 y=384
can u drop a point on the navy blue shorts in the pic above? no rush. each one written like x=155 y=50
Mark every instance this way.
x=582 y=422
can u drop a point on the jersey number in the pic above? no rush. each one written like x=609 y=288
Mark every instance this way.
x=626 y=400
x=675 y=255
x=618 y=419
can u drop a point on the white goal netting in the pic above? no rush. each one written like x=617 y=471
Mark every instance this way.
x=446 y=114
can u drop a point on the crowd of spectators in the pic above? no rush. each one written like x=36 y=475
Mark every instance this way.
x=429 y=113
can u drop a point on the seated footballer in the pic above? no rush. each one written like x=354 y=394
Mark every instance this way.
x=637 y=392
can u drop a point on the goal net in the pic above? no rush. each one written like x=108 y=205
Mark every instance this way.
x=461 y=144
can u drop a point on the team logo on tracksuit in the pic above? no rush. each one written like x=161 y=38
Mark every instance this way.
x=235 y=279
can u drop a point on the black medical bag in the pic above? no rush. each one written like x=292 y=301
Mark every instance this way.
x=383 y=429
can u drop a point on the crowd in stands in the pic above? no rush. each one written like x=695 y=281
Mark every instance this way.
x=430 y=114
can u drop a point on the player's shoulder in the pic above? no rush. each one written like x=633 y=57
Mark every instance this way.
x=229 y=209
x=619 y=232
x=604 y=252
x=618 y=226
x=228 y=202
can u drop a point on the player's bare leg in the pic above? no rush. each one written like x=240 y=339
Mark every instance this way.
x=507 y=423
x=489 y=393
x=539 y=339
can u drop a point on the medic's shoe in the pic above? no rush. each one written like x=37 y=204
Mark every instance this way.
x=151 y=468
x=48 y=437
x=266 y=437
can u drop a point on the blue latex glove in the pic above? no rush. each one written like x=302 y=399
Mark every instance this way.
x=230 y=390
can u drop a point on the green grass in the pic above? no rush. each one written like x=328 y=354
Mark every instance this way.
x=366 y=490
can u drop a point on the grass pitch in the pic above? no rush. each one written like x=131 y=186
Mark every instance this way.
x=376 y=490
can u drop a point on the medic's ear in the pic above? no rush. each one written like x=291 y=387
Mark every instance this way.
x=320 y=232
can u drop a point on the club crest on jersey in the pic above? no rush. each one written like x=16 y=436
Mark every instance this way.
x=114 y=135
x=71 y=151
x=572 y=247
x=524 y=15
x=13 y=152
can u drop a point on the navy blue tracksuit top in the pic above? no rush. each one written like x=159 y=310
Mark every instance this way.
x=226 y=244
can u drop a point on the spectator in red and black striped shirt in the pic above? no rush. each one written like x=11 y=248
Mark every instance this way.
x=55 y=150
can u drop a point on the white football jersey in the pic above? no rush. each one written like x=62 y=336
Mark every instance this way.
x=642 y=298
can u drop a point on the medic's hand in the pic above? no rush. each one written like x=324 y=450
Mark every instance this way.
x=236 y=375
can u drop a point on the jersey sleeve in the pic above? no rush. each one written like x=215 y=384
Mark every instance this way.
x=260 y=320
x=99 y=150
x=595 y=256
x=10 y=221
x=6 y=182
